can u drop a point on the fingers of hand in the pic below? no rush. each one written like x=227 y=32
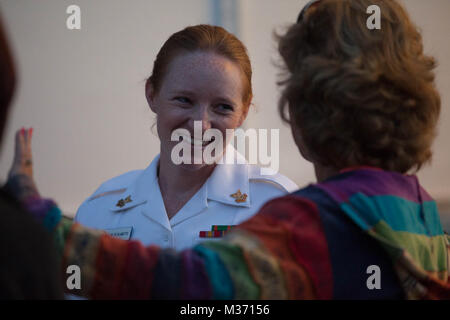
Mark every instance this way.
x=18 y=145
x=26 y=133
x=23 y=144
x=27 y=138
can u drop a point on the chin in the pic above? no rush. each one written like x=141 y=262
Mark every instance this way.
x=194 y=167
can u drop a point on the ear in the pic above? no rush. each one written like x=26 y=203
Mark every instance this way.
x=150 y=96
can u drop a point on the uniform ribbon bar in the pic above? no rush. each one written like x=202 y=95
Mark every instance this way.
x=221 y=227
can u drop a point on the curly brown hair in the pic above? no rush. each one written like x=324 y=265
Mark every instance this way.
x=360 y=96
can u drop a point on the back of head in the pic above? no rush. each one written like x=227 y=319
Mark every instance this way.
x=360 y=96
x=7 y=78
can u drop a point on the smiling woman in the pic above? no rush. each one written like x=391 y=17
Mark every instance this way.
x=203 y=86
x=201 y=81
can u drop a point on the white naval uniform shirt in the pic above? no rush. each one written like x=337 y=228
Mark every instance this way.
x=211 y=205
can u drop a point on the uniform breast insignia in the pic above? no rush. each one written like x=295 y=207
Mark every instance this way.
x=239 y=197
x=122 y=202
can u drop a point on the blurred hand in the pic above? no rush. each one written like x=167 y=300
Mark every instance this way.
x=23 y=160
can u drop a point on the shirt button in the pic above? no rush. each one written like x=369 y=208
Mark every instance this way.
x=166 y=238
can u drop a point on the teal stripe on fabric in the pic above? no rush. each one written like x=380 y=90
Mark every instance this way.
x=400 y=214
x=52 y=218
x=217 y=273
x=364 y=222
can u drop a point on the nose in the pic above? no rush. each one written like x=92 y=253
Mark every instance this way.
x=202 y=114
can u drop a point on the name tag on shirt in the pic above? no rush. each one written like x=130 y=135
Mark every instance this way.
x=123 y=233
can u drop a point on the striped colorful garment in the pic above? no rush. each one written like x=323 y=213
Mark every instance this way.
x=399 y=214
x=314 y=244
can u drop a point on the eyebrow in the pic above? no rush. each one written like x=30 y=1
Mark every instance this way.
x=191 y=93
x=227 y=101
x=186 y=92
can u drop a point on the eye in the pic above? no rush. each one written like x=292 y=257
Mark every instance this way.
x=225 y=108
x=183 y=100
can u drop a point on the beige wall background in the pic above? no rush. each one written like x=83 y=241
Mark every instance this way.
x=83 y=90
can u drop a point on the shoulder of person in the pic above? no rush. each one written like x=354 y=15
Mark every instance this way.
x=111 y=187
x=115 y=185
x=259 y=175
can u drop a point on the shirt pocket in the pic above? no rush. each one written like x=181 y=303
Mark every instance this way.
x=198 y=240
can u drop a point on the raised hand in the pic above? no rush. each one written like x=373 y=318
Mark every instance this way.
x=23 y=160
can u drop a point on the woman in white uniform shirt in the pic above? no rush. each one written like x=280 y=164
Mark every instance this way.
x=201 y=73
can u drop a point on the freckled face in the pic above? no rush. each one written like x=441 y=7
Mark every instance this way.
x=198 y=86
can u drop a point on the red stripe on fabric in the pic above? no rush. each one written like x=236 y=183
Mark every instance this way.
x=111 y=257
x=348 y=169
x=139 y=271
x=299 y=220
x=275 y=238
x=310 y=246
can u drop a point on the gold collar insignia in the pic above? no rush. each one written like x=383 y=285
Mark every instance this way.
x=239 y=197
x=122 y=202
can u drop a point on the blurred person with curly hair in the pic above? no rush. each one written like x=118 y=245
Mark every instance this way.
x=363 y=109
x=28 y=263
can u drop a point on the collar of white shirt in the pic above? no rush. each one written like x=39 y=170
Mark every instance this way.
x=225 y=180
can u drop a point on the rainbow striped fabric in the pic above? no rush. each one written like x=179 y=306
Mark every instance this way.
x=402 y=217
x=294 y=248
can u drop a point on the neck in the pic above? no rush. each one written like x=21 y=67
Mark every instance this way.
x=178 y=185
x=178 y=179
